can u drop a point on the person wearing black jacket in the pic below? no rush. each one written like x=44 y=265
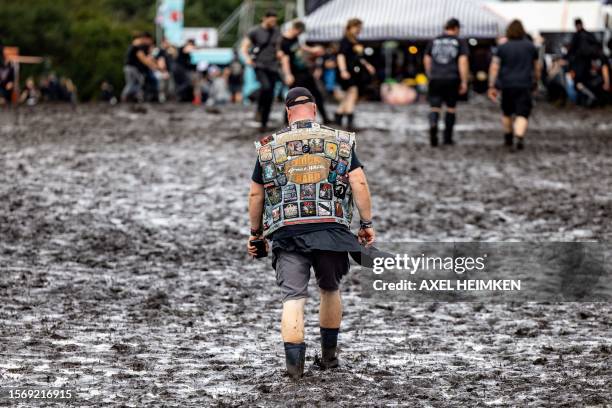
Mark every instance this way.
x=259 y=50
x=7 y=79
x=515 y=69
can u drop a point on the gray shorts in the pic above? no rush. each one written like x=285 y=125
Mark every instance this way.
x=293 y=270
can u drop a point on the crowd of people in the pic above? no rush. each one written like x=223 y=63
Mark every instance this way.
x=48 y=88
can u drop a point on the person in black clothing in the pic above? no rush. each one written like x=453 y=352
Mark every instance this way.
x=446 y=65
x=186 y=77
x=295 y=68
x=138 y=63
x=235 y=79
x=516 y=66
x=583 y=48
x=7 y=79
x=259 y=51
x=352 y=68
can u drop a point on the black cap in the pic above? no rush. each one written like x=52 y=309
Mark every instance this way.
x=298 y=93
x=452 y=23
x=271 y=13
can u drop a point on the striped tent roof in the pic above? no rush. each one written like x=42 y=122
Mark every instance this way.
x=401 y=19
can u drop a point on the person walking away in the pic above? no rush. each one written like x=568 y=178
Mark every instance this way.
x=259 y=50
x=294 y=65
x=516 y=66
x=137 y=63
x=306 y=180
x=447 y=67
x=352 y=67
x=235 y=79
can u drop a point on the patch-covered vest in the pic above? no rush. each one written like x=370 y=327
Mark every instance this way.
x=305 y=172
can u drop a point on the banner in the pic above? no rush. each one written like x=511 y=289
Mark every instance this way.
x=170 y=19
x=203 y=36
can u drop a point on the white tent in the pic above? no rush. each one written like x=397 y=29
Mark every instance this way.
x=401 y=19
x=551 y=17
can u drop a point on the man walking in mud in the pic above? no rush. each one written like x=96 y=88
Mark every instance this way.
x=259 y=51
x=306 y=180
x=294 y=65
x=446 y=65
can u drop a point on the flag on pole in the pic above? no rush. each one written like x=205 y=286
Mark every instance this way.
x=170 y=19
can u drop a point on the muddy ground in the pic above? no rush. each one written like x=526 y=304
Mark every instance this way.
x=123 y=273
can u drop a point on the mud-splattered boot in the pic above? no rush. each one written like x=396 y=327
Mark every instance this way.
x=508 y=139
x=329 y=343
x=295 y=354
x=520 y=145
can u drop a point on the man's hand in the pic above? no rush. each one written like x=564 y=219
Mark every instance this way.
x=344 y=74
x=251 y=249
x=606 y=86
x=366 y=236
x=463 y=88
x=248 y=60
x=492 y=94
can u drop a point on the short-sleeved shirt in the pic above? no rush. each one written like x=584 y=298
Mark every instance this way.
x=131 y=57
x=516 y=59
x=352 y=53
x=291 y=48
x=264 y=43
x=445 y=51
x=291 y=231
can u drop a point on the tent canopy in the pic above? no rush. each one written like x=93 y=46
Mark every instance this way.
x=551 y=17
x=401 y=19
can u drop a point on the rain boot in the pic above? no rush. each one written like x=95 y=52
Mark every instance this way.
x=295 y=355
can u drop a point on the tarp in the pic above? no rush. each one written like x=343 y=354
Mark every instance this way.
x=401 y=19
x=551 y=17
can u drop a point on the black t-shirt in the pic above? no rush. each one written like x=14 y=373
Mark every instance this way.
x=184 y=60
x=264 y=42
x=7 y=74
x=291 y=48
x=353 y=52
x=132 y=59
x=516 y=59
x=445 y=51
x=293 y=230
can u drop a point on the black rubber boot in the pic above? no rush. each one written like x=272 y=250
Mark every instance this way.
x=338 y=119
x=329 y=343
x=449 y=124
x=349 y=122
x=433 y=136
x=433 y=128
x=508 y=139
x=519 y=143
x=295 y=355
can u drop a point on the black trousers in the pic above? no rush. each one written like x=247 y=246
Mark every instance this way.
x=267 y=81
x=307 y=81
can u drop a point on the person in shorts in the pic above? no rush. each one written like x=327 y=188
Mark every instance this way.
x=447 y=67
x=515 y=70
x=306 y=181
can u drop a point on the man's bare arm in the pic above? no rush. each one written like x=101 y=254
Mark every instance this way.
x=256 y=205
x=244 y=50
x=361 y=193
x=427 y=64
